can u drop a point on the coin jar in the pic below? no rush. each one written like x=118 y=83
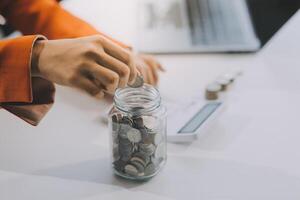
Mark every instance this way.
x=137 y=124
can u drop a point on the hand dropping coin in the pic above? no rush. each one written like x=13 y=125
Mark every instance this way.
x=139 y=82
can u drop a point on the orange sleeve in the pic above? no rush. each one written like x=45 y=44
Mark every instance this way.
x=15 y=78
x=28 y=98
x=48 y=18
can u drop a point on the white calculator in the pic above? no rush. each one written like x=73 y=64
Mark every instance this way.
x=187 y=121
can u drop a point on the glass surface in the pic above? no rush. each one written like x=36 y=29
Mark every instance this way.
x=137 y=124
x=200 y=117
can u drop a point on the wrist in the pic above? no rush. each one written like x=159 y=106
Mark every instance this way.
x=36 y=51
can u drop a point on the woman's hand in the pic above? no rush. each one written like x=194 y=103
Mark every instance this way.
x=149 y=68
x=93 y=64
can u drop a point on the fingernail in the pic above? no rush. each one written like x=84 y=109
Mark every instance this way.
x=100 y=95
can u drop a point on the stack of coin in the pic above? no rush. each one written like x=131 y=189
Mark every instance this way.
x=223 y=82
x=230 y=77
x=212 y=91
x=138 y=147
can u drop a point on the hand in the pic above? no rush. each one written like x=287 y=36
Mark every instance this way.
x=149 y=68
x=93 y=64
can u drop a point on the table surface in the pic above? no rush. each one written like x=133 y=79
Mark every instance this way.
x=251 y=152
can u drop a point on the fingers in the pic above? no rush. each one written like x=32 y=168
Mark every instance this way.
x=106 y=77
x=89 y=87
x=150 y=76
x=133 y=71
x=160 y=67
x=122 y=55
x=120 y=68
x=153 y=68
x=146 y=72
x=150 y=60
x=116 y=51
x=143 y=72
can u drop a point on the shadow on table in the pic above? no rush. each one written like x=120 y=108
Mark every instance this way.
x=98 y=171
x=187 y=176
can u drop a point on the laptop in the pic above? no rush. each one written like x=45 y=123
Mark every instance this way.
x=187 y=26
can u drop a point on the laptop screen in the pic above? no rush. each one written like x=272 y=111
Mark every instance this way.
x=269 y=16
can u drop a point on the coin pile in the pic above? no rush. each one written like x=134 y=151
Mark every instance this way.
x=221 y=84
x=212 y=91
x=138 y=148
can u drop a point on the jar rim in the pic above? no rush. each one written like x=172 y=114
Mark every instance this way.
x=143 y=99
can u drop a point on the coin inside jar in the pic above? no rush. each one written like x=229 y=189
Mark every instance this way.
x=137 y=127
x=150 y=168
x=134 y=135
x=131 y=170
x=150 y=122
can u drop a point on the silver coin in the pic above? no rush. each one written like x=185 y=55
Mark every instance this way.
x=131 y=170
x=139 y=82
x=151 y=122
x=125 y=149
x=124 y=141
x=213 y=87
x=126 y=120
x=138 y=122
x=116 y=117
x=135 y=147
x=125 y=158
x=143 y=156
x=119 y=165
x=139 y=160
x=123 y=129
x=146 y=137
x=115 y=126
x=114 y=135
x=150 y=169
x=134 y=135
x=147 y=148
x=139 y=167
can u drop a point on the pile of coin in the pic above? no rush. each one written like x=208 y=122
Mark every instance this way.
x=212 y=91
x=138 y=147
x=221 y=84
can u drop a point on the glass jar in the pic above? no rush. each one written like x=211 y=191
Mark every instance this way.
x=137 y=124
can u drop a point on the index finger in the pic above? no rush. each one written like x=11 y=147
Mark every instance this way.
x=121 y=54
x=116 y=51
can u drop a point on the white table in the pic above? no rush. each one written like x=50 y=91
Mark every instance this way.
x=252 y=152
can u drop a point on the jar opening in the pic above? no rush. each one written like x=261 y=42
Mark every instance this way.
x=144 y=98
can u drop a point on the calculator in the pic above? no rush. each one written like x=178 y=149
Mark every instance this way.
x=187 y=121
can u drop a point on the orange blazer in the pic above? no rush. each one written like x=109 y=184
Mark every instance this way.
x=30 y=98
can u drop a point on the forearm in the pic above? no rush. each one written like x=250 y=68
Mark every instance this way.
x=48 y=18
